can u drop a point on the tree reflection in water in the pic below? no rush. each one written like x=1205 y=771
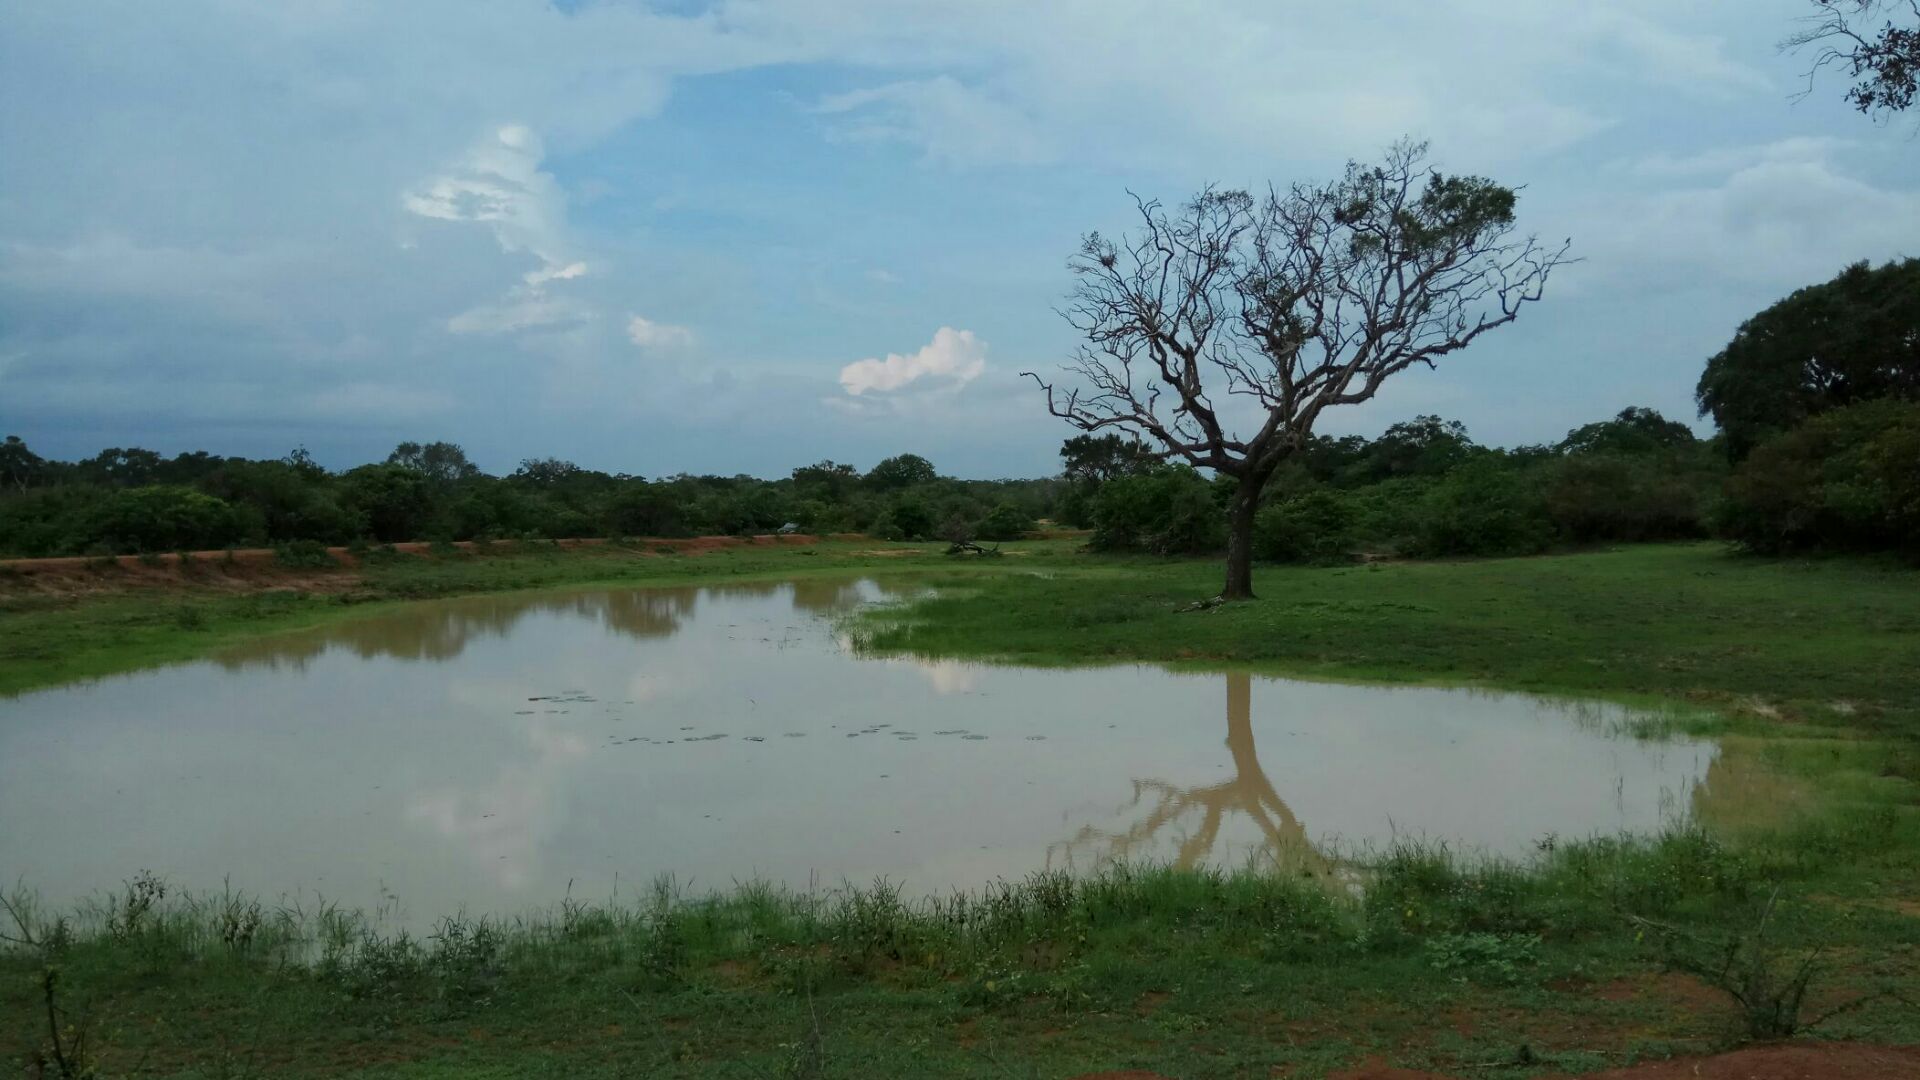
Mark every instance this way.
x=1194 y=816
x=442 y=629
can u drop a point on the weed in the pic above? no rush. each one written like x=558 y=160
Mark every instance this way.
x=303 y=555
x=128 y=916
x=1483 y=957
x=1768 y=982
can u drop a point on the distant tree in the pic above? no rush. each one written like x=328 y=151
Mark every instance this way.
x=20 y=468
x=1851 y=339
x=912 y=518
x=1635 y=431
x=393 y=499
x=300 y=461
x=122 y=467
x=1005 y=522
x=825 y=480
x=1096 y=459
x=1880 y=55
x=903 y=471
x=161 y=518
x=440 y=462
x=1423 y=446
x=546 y=472
x=1292 y=302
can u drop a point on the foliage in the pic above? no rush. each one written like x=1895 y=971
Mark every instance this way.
x=1883 y=60
x=1005 y=522
x=1851 y=339
x=1317 y=526
x=159 y=518
x=903 y=471
x=1169 y=511
x=1846 y=480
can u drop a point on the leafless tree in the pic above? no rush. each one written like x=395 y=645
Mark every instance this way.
x=1881 y=56
x=1255 y=314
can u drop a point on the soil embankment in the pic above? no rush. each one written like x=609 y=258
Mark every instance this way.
x=245 y=569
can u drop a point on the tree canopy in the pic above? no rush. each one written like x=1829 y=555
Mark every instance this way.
x=1851 y=339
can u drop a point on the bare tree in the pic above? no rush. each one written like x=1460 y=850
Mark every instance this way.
x=1882 y=57
x=1257 y=314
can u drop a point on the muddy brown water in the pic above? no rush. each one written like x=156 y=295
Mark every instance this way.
x=491 y=753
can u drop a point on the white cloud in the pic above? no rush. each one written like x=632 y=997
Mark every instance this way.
x=648 y=334
x=499 y=183
x=525 y=309
x=950 y=121
x=951 y=360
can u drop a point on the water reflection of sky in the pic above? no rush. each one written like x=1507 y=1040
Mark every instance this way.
x=484 y=752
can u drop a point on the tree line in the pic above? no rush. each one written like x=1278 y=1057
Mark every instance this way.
x=129 y=500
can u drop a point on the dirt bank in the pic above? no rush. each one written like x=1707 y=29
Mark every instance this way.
x=1781 y=1061
x=244 y=569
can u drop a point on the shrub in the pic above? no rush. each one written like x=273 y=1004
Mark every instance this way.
x=160 y=518
x=1609 y=496
x=302 y=554
x=1005 y=522
x=1848 y=479
x=1484 y=507
x=1166 y=512
x=1317 y=526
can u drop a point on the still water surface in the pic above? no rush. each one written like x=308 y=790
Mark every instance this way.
x=483 y=753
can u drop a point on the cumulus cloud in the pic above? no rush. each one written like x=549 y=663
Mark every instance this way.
x=498 y=183
x=648 y=334
x=950 y=361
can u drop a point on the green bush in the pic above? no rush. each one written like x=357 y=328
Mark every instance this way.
x=302 y=554
x=1317 y=526
x=1484 y=507
x=1847 y=480
x=160 y=518
x=1611 y=496
x=1168 y=511
x=1005 y=522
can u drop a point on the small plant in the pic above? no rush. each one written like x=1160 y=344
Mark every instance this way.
x=188 y=617
x=1769 y=983
x=1482 y=957
x=359 y=548
x=303 y=555
x=128 y=917
x=238 y=921
x=151 y=559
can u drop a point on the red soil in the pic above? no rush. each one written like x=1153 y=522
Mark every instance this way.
x=1782 y=1061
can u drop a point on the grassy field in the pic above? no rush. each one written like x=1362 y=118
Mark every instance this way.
x=1603 y=953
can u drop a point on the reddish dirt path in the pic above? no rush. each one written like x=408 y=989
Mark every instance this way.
x=1782 y=1061
x=257 y=568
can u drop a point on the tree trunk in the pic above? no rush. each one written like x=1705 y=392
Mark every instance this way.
x=1240 y=543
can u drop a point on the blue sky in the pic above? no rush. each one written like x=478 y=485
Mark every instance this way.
x=739 y=237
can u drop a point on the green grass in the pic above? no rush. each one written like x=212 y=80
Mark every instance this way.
x=1809 y=670
x=1831 y=641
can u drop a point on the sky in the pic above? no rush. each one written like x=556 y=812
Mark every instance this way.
x=745 y=236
